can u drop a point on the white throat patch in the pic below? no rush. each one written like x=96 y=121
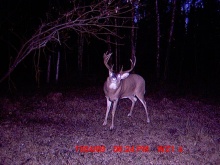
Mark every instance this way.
x=113 y=86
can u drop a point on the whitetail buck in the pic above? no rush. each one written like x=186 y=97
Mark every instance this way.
x=123 y=85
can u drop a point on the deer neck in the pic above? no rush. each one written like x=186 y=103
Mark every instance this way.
x=112 y=91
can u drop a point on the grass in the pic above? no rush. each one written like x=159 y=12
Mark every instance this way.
x=46 y=129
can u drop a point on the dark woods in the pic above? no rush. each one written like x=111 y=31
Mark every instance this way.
x=176 y=43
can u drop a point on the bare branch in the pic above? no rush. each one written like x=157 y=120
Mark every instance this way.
x=91 y=19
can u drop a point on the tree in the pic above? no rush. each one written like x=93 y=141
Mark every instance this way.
x=170 y=40
x=94 y=21
x=158 y=39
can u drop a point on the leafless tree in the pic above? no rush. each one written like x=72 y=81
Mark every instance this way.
x=93 y=19
x=80 y=52
x=158 y=39
x=170 y=40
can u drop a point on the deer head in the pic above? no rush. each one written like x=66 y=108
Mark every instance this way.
x=115 y=78
x=122 y=85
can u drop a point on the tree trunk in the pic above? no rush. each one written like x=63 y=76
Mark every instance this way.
x=166 y=69
x=158 y=39
x=58 y=66
x=133 y=50
x=37 y=69
x=108 y=42
x=133 y=35
x=80 y=52
x=116 y=46
x=48 y=69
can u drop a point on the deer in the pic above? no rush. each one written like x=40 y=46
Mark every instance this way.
x=122 y=85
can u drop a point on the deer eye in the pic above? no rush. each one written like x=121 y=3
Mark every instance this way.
x=113 y=76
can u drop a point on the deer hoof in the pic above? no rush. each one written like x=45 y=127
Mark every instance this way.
x=105 y=122
x=111 y=128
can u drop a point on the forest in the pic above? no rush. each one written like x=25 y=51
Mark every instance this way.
x=176 y=43
x=56 y=56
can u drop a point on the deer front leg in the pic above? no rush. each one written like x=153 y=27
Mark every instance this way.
x=113 y=113
x=133 y=99
x=109 y=103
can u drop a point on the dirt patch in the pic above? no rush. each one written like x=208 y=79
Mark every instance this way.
x=66 y=128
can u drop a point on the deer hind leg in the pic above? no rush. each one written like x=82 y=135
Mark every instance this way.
x=141 y=98
x=133 y=100
x=109 y=103
x=113 y=113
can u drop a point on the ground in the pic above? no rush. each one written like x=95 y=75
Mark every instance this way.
x=65 y=127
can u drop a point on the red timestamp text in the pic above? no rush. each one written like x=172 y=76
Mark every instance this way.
x=129 y=149
x=100 y=148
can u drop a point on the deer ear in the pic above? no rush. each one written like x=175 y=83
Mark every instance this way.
x=124 y=75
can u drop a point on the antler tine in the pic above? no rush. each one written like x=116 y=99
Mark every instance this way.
x=132 y=66
x=106 y=58
x=121 y=69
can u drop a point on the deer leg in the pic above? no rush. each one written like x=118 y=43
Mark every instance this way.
x=141 y=98
x=113 y=113
x=133 y=99
x=109 y=103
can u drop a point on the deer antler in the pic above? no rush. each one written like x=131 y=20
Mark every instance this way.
x=132 y=66
x=106 y=58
